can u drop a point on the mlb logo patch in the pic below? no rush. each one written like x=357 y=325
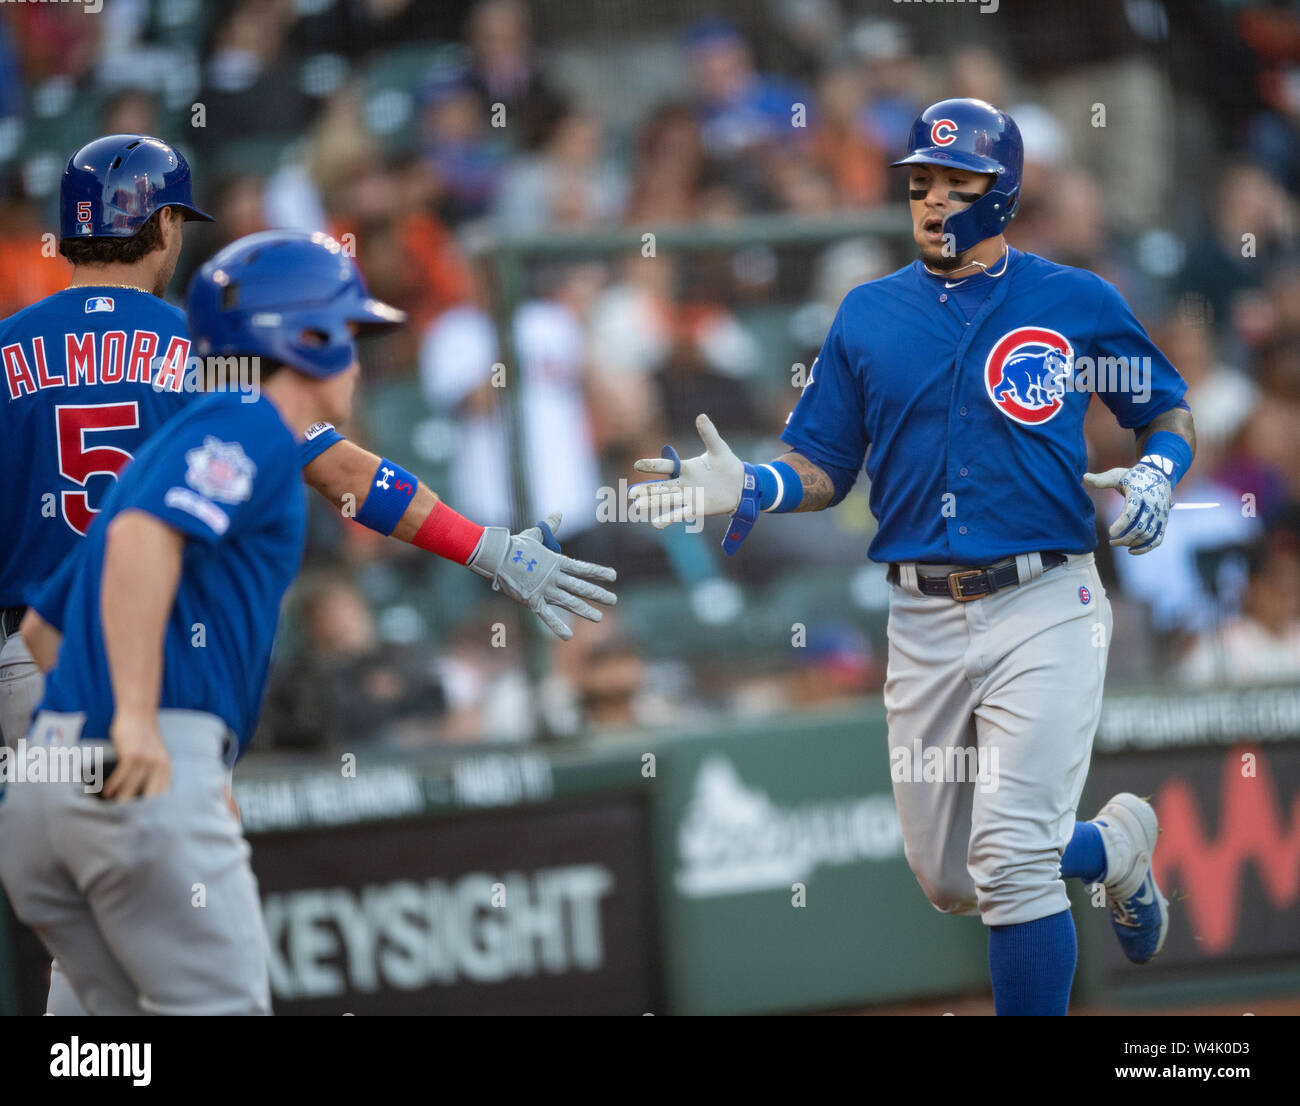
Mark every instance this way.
x=317 y=429
x=99 y=303
x=1085 y=596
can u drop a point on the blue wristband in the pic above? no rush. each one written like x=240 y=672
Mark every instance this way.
x=779 y=487
x=1174 y=448
x=775 y=487
x=391 y=492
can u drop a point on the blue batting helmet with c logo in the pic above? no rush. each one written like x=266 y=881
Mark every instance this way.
x=976 y=136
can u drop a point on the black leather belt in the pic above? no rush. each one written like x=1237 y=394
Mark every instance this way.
x=975 y=583
x=10 y=617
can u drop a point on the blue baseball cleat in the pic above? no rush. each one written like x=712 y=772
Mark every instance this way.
x=1139 y=912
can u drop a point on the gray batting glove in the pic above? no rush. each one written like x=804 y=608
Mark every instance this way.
x=530 y=568
x=710 y=484
x=1148 y=497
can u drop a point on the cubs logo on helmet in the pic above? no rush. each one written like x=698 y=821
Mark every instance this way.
x=1027 y=374
x=943 y=132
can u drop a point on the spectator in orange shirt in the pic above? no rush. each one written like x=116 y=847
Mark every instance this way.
x=841 y=147
x=29 y=271
x=403 y=247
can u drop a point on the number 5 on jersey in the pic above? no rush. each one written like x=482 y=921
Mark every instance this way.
x=78 y=463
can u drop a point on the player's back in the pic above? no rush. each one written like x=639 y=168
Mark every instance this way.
x=89 y=374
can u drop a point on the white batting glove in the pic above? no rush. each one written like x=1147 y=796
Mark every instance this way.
x=530 y=568
x=1148 y=497
x=709 y=484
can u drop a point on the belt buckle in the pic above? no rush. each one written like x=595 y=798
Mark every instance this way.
x=954 y=584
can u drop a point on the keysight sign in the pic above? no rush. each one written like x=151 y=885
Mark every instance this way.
x=523 y=910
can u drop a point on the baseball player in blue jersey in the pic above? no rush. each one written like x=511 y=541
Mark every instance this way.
x=91 y=372
x=150 y=905
x=962 y=381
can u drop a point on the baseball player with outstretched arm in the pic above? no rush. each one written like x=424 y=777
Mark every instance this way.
x=962 y=380
x=206 y=527
x=91 y=372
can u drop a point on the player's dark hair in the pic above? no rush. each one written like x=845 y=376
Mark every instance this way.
x=118 y=251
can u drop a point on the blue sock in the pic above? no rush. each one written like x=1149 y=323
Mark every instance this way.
x=1032 y=965
x=1085 y=856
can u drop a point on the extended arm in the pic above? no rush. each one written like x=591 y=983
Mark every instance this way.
x=528 y=567
x=345 y=473
x=718 y=483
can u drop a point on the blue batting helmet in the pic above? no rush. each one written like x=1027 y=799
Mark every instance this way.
x=112 y=185
x=288 y=296
x=973 y=135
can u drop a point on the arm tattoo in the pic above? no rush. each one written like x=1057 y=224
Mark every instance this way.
x=818 y=489
x=1177 y=419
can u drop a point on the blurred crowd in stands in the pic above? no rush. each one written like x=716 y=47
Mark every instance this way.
x=1163 y=152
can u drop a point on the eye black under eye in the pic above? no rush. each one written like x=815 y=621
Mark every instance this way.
x=964 y=197
x=918 y=193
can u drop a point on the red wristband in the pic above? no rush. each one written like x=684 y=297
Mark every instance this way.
x=448 y=534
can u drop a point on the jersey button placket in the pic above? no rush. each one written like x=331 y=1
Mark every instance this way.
x=959 y=441
x=970 y=333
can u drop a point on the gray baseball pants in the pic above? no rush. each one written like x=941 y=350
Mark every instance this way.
x=1013 y=679
x=149 y=906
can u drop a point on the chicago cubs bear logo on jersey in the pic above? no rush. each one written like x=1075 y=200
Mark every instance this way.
x=1027 y=374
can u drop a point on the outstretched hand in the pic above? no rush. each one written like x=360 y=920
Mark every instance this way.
x=530 y=569
x=709 y=484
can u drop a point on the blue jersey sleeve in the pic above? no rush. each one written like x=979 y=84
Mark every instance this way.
x=828 y=421
x=202 y=480
x=1137 y=382
x=318 y=439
